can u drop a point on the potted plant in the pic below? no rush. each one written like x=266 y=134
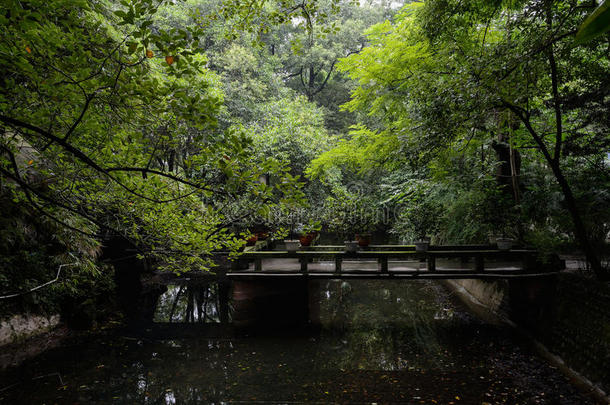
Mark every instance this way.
x=352 y=218
x=262 y=235
x=505 y=240
x=251 y=240
x=366 y=220
x=504 y=220
x=418 y=221
x=309 y=232
x=334 y=213
x=292 y=245
x=287 y=218
x=363 y=239
x=504 y=243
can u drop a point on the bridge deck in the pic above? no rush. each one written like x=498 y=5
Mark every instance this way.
x=392 y=262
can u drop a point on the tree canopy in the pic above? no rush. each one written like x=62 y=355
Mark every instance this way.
x=156 y=122
x=450 y=79
x=112 y=121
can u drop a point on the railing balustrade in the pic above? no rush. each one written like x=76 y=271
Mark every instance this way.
x=528 y=261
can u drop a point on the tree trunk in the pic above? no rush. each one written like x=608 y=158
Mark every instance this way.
x=311 y=83
x=171 y=312
x=514 y=172
x=170 y=161
x=580 y=230
x=190 y=316
x=579 y=226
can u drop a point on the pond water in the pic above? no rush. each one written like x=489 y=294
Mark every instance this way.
x=375 y=342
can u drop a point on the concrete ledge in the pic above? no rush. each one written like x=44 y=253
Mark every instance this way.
x=472 y=294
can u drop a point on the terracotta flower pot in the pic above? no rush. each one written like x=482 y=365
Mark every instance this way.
x=262 y=235
x=251 y=241
x=364 y=239
x=306 y=239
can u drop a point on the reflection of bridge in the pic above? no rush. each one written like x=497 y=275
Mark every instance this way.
x=394 y=261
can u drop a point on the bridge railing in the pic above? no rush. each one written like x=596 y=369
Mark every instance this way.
x=527 y=259
x=400 y=248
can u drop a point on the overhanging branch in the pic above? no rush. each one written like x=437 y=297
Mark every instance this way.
x=80 y=155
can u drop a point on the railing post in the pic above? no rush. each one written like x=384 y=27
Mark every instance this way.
x=431 y=262
x=304 y=262
x=258 y=264
x=383 y=264
x=240 y=263
x=479 y=263
x=221 y=273
x=529 y=262
x=338 y=263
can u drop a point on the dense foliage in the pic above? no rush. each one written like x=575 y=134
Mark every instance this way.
x=469 y=92
x=110 y=129
x=156 y=121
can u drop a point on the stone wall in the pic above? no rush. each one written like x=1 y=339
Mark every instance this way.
x=20 y=327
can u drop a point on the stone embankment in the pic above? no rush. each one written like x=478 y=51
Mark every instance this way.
x=566 y=318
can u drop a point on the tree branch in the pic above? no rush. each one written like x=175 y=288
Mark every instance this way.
x=524 y=116
x=41 y=285
x=555 y=91
x=300 y=71
x=80 y=155
x=326 y=79
x=35 y=205
x=163 y=174
x=88 y=100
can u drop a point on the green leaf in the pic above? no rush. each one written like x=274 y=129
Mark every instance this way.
x=595 y=25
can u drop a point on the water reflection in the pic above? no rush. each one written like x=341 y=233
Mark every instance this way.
x=194 y=303
x=400 y=341
x=381 y=325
